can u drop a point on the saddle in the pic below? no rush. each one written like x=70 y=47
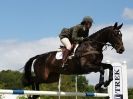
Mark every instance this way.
x=61 y=51
x=63 y=48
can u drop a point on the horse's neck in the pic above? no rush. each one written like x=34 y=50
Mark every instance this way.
x=95 y=42
x=99 y=39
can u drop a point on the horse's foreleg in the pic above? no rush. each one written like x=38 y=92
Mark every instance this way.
x=95 y=68
x=107 y=82
x=101 y=79
x=110 y=78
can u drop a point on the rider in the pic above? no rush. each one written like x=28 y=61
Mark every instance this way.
x=75 y=35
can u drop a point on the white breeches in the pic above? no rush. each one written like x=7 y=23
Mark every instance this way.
x=66 y=43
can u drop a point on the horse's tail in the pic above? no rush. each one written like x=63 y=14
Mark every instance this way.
x=27 y=78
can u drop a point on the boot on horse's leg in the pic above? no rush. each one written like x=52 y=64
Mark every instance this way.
x=65 y=56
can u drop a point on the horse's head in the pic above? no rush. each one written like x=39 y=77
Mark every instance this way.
x=115 y=38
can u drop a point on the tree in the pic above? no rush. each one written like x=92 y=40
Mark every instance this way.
x=130 y=93
x=10 y=79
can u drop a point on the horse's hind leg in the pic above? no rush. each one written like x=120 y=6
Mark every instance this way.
x=37 y=89
x=35 y=86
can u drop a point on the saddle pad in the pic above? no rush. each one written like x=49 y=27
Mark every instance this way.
x=59 y=55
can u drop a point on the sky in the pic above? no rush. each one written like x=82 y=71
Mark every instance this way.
x=35 y=19
x=30 y=27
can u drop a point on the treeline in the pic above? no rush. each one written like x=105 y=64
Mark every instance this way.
x=12 y=80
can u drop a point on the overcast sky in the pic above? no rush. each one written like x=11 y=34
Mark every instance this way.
x=31 y=27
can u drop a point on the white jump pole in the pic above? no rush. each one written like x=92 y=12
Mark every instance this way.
x=53 y=93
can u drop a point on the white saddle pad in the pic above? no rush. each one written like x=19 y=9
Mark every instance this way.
x=59 y=55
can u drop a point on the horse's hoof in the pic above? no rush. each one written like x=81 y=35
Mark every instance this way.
x=30 y=98
x=97 y=87
x=63 y=68
x=106 y=83
x=35 y=96
x=101 y=90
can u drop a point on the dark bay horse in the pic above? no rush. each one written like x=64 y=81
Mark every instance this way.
x=88 y=58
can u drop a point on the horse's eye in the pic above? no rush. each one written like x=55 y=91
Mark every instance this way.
x=117 y=33
x=120 y=33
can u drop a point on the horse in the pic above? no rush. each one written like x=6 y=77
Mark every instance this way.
x=88 y=58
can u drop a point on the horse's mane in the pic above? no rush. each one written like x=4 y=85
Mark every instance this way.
x=99 y=31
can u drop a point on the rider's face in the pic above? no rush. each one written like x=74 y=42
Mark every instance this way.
x=88 y=25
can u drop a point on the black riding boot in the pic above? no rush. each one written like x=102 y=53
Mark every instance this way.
x=65 y=56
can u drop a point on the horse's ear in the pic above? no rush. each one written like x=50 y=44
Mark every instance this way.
x=115 y=25
x=119 y=27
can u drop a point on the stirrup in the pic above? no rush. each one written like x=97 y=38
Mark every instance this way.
x=64 y=65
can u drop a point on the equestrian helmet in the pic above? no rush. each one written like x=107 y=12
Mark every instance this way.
x=87 y=19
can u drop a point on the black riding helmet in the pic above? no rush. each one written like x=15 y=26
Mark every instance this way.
x=87 y=19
